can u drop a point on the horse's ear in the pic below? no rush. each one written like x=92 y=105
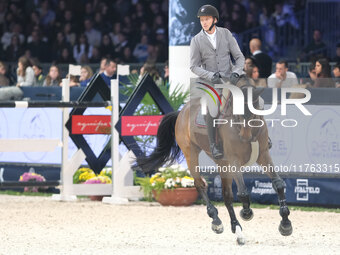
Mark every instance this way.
x=257 y=92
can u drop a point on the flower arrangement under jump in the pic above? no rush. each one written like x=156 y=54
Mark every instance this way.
x=87 y=176
x=171 y=177
x=32 y=177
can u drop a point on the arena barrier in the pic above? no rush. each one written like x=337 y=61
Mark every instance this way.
x=121 y=188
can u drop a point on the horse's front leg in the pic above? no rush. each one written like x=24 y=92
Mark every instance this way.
x=202 y=187
x=228 y=197
x=279 y=185
x=191 y=155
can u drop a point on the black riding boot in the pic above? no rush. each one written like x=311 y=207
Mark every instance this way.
x=216 y=152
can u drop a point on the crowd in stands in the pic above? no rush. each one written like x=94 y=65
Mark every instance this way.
x=135 y=31
x=258 y=67
x=84 y=31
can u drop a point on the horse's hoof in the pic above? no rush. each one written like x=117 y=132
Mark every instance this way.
x=286 y=229
x=218 y=229
x=241 y=241
x=247 y=214
x=240 y=237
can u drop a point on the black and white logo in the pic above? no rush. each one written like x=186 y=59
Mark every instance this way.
x=302 y=190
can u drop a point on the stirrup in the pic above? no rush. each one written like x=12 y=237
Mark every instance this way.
x=270 y=144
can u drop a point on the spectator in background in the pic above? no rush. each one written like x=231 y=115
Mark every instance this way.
x=323 y=73
x=47 y=15
x=312 y=75
x=53 y=78
x=248 y=63
x=106 y=47
x=38 y=48
x=337 y=54
x=262 y=60
x=127 y=56
x=255 y=76
x=316 y=49
x=336 y=72
x=82 y=48
x=150 y=69
x=58 y=46
x=282 y=78
x=69 y=34
x=110 y=71
x=15 y=29
x=14 y=50
x=86 y=74
x=66 y=57
x=102 y=64
x=116 y=31
x=96 y=56
x=4 y=81
x=93 y=35
x=25 y=72
x=38 y=75
x=141 y=50
x=74 y=81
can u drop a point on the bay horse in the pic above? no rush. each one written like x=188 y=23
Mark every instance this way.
x=178 y=131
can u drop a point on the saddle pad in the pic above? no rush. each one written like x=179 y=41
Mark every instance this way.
x=200 y=120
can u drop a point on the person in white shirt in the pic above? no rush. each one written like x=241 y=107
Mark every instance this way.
x=25 y=73
x=282 y=78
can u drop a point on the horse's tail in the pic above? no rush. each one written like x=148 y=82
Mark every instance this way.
x=167 y=150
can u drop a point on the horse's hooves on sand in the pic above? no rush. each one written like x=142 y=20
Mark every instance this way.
x=246 y=215
x=241 y=240
x=218 y=229
x=286 y=229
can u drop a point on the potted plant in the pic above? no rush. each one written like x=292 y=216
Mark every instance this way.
x=87 y=176
x=170 y=186
x=32 y=177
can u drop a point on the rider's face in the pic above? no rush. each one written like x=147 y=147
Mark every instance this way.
x=206 y=22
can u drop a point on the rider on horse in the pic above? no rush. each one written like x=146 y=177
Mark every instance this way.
x=211 y=53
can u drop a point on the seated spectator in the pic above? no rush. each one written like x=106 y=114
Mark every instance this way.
x=65 y=57
x=282 y=78
x=312 y=75
x=86 y=74
x=253 y=73
x=53 y=78
x=150 y=68
x=38 y=75
x=336 y=72
x=102 y=64
x=93 y=35
x=25 y=73
x=106 y=47
x=82 y=48
x=4 y=81
x=323 y=74
x=96 y=56
x=127 y=56
x=14 y=50
x=316 y=49
x=337 y=53
x=262 y=60
x=248 y=63
x=141 y=50
x=109 y=72
x=74 y=81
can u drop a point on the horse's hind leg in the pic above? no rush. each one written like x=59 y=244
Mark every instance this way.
x=202 y=188
x=228 y=201
x=279 y=185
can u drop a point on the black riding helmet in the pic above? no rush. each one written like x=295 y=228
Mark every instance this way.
x=208 y=10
